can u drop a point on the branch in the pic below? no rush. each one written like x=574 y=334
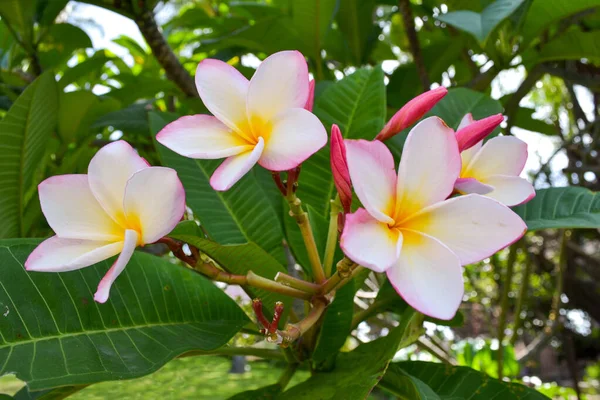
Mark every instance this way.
x=164 y=54
x=415 y=46
x=510 y=264
x=510 y=110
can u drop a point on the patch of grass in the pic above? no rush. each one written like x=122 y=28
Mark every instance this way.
x=186 y=378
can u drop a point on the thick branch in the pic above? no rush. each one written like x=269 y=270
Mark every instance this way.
x=164 y=54
x=415 y=46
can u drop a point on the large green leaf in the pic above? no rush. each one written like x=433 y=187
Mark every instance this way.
x=573 y=45
x=357 y=372
x=481 y=25
x=239 y=259
x=24 y=134
x=565 y=207
x=59 y=43
x=241 y=215
x=357 y=105
x=451 y=383
x=19 y=14
x=524 y=119
x=544 y=12
x=52 y=333
x=311 y=19
x=355 y=21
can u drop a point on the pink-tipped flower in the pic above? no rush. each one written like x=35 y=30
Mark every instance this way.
x=311 y=96
x=120 y=204
x=492 y=169
x=474 y=132
x=411 y=112
x=339 y=168
x=262 y=121
x=410 y=230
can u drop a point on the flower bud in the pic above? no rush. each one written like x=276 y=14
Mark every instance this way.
x=339 y=167
x=311 y=96
x=411 y=112
x=476 y=131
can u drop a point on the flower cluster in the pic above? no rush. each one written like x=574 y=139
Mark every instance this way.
x=445 y=207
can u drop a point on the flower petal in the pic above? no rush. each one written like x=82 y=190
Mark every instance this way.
x=429 y=166
x=465 y=121
x=476 y=131
x=154 y=202
x=370 y=242
x=428 y=276
x=296 y=135
x=502 y=155
x=279 y=83
x=131 y=239
x=108 y=173
x=468 y=155
x=371 y=167
x=73 y=212
x=471 y=185
x=201 y=136
x=510 y=190
x=57 y=254
x=235 y=167
x=223 y=90
x=472 y=226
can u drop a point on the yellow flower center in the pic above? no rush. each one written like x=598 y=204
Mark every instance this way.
x=255 y=128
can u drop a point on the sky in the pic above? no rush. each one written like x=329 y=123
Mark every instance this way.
x=103 y=26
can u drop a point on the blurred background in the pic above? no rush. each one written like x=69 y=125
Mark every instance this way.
x=536 y=61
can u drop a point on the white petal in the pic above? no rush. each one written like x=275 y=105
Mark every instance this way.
x=474 y=227
x=465 y=121
x=108 y=173
x=296 y=135
x=468 y=155
x=471 y=185
x=510 y=190
x=502 y=155
x=154 y=202
x=369 y=242
x=279 y=83
x=429 y=166
x=235 y=167
x=201 y=136
x=57 y=254
x=73 y=212
x=131 y=239
x=373 y=176
x=223 y=89
x=428 y=276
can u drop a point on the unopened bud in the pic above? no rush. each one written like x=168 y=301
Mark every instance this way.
x=311 y=96
x=411 y=112
x=339 y=168
x=469 y=134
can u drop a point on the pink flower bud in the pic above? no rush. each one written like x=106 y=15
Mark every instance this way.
x=411 y=112
x=339 y=167
x=476 y=131
x=311 y=96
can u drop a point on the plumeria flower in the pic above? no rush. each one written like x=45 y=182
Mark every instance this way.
x=120 y=204
x=492 y=169
x=263 y=120
x=409 y=228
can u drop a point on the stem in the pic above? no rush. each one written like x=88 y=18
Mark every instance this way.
x=301 y=218
x=521 y=299
x=332 y=235
x=413 y=40
x=345 y=268
x=296 y=283
x=510 y=264
x=287 y=375
x=294 y=331
x=238 y=351
x=370 y=311
x=258 y=281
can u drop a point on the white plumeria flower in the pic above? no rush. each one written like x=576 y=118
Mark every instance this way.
x=492 y=169
x=262 y=120
x=409 y=228
x=121 y=203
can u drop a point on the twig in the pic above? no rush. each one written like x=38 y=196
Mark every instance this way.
x=512 y=105
x=413 y=40
x=522 y=297
x=510 y=264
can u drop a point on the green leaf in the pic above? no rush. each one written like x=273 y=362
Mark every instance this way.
x=406 y=386
x=357 y=372
x=131 y=119
x=59 y=43
x=573 y=45
x=49 y=394
x=241 y=215
x=265 y=393
x=24 y=134
x=311 y=19
x=453 y=383
x=336 y=326
x=19 y=14
x=54 y=334
x=357 y=105
x=48 y=10
x=355 y=21
x=85 y=69
x=524 y=119
x=239 y=259
x=481 y=25
x=544 y=12
x=565 y=207
x=77 y=111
